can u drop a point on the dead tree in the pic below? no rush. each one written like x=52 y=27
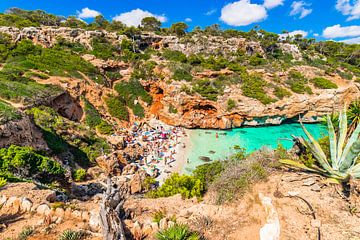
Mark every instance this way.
x=110 y=212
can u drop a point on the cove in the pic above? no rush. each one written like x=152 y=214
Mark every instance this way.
x=204 y=142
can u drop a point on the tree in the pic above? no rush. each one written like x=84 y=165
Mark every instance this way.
x=99 y=23
x=213 y=29
x=150 y=24
x=179 y=28
x=73 y=22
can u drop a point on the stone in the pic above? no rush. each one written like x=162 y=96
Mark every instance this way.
x=315 y=188
x=94 y=221
x=26 y=204
x=59 y=220
x=13 y=203
x=51 y=197
x=60 y=212
x=163 y=224
x=155 y=226
x=85 y=216
x=293 y=193
x=271 y=230
x=3 y=200
x=76 y=214
x=67 y=213
x=309 y=182
x=315 y=223
x=43 y=209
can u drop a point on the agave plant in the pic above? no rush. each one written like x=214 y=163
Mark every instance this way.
x=342 y=163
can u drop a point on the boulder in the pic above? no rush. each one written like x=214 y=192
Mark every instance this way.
x=43 y=209
x=94 y=221
x=60 y=212
x=26 y=204
x=163 y=224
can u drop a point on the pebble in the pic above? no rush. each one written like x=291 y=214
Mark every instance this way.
x=309 y=182
x=293 y=193
x=315 y=188
x=315 y=223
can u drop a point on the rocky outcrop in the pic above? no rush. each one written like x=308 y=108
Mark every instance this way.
x=196 y=112
x=22 y=133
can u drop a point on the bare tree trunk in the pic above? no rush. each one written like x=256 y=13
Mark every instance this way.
x=110 y=209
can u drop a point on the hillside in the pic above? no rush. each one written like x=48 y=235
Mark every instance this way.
x=77 y=99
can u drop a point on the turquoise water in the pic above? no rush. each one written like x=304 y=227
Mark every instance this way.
x=254 y=138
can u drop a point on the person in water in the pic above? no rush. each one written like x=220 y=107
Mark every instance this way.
x=217 y=135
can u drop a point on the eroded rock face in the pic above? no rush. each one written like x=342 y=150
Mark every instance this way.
x=196 y=112
x=22 y=133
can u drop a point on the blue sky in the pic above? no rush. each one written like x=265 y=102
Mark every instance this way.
x=323 y=19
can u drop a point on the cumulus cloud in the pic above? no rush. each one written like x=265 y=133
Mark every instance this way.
x=210 y=12
x=134 y=17
x=338 y=31
x=349 y=8
x=293 y=33
x=188 y=20
x=316 y=34
x=242 y=13
x=299 y=8
x=352 y=40
x=269 y=4
x=87 y=13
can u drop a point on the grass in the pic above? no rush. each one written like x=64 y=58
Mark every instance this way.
x=117 y=107
x=231 y=104
x=158 y=215
x=8 y=113
x=253 y=87
x=281 y=92
x=323 y=83
x=178 y=232
x=25 y=233
x=298 y=83
x=71 y=235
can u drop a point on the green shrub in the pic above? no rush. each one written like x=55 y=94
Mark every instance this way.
x=8 y=113
x=3 y=182
x=208 y=89
x=182 y=74
x=281 y=92
x=25 y=162
x=187 y=186
x=231 y=104
x=253 y=87
x=117 y=107
x=298 y=83
x=92 y=116
x=323 y=83
x=102 y=48
x=25 y=233
x=176 y=56
x=172 y=109
x=208 y=172
x=105 y=128
x=177 y=232
x=71 y=235
x=257 y=60
x=79 y=175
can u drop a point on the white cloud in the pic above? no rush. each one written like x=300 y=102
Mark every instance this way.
x=134 y=17
x=349 y=8
x=188 y=20
x=269 y=4
x=338 y=31
x=87 y=13
x=352 y=40
x=299 y=8
x=210 y=12
x=316 y=34
x=242 y=13
x=293 y=33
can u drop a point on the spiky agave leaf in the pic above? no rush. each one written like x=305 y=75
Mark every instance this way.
x=355 y=171
x=317 y=151
x=332 y=140
x=342 y=132
x=351 y=151
x=300 y=166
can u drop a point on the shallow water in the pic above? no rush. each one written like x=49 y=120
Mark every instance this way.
x=204 y=142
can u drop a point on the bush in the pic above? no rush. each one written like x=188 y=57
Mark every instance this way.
x=177 y=232
x=231 y=104
x=187 y=186
x=298 y=83
x=71 y=235
x=102 y=48
x=117 y=107
x=105 y=128
x=182 y=74
x=281 y=92
x=25 y=162
x=323 y=83
x=79 y=175
x=158 y=215
x=208 y=172
x=175 y=56
x=172 y=109
x=253 y=87
x=257 y=60
x=8 y=113
x=25 y=233
x=3 y=182
x=208 y=89
x=92 y=116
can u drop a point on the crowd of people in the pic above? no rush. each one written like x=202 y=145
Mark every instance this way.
x=158 y=147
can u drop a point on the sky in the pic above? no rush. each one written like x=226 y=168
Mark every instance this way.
x=337 y=20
